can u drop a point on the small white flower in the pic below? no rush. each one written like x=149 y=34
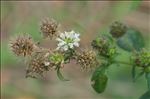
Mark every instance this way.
x=68 y=40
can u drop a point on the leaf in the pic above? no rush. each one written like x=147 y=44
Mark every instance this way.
x=146 y=95
x=60 y=76
x=136 y=38
x=147 y=76
x=99 y=80
x=132 y=40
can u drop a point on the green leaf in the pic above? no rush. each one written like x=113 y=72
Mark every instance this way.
x=132 y=40
x=60 y=76
x=99 y=80
x=147 y=76
x=146 y=95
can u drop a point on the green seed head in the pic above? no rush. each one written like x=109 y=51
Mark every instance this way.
x=142 y=58
x=117 y=29
x=56 y=58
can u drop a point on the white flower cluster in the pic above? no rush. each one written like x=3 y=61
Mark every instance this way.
x=68 y=40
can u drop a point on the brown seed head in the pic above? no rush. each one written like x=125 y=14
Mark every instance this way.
x=22 y=45
x=38 y=64
x=49 y=28
x=87 y=59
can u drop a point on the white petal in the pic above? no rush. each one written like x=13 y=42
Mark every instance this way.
x=58 y=39
x=66 y=34
x=65 y=47
x=77 y=35
x=62 y=35
x=76 y=44
x=72 y=36
x=61 y=43
x=70 y=45
x=72 y=32
x=77 y=40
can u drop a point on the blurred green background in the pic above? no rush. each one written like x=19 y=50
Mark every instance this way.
x=90 y=18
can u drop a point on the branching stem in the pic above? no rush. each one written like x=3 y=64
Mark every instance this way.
x=122 y=62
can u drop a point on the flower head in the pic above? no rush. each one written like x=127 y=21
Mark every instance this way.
x=56 y=59
x=87 y=59
x=101 y=44
x=49 y=28
x=22 y=45
x=68 y=40
x=142 y=58
x=38 y=64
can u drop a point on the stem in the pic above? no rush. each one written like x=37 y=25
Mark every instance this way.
x=122 y=62
x=148 y=80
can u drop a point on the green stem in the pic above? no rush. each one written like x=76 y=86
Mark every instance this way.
x=148 y=80
x=122 y=62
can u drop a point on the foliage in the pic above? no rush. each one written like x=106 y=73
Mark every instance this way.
x=101 y=58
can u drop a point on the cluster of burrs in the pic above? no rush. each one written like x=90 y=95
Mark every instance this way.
x=42 y=59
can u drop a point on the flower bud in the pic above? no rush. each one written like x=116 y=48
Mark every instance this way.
x=57 y=59
x=117 y=29
x=142 y=58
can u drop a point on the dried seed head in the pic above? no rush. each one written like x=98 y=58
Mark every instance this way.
x=49 y=28
x=87 y=60
x=22 y=45
x=117 y=29
x=101 y=45
x=38 y=64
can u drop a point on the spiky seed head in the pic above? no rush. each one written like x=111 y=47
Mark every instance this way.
x=102 y=45
x=118 y=29
x=49 y=28
x=38 y=64
x=22 y=45
x=87 y=59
